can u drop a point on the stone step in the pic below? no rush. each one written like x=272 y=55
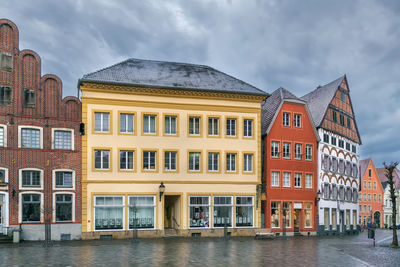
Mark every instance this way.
x=5 y=239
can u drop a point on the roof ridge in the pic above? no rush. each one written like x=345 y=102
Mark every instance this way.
x=105 y=68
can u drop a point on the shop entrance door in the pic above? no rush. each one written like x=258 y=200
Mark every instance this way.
x=297 y=219
x=172 y=212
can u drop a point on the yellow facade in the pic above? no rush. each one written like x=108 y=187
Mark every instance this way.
x=173 y=210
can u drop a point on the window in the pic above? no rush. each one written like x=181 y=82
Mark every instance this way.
x=222 y=211
x=297 y=151
x=108 y=212
x=347 y=146
x=248 y=128
x=102 y=122
x=64 y=179
x=341 y=116
x=248 y=162
x=275 y=179
x=230 y=162
x=170 y=125
x=213 y=161
x=369 y=185
x=341 y=166
x=286 y=119
x=244 y=211
x=365 y=184
x=141 y=212
x=149 y=160
x=126 y=123
x=333 y=140
x=348 y=122
x=31 y=207
x=341 y=193
x=30 y=138
x=353 y=149
x=286 y=179
x=326 y=218
x=342 y=96
x=354 y=219
x=334 y=164
x=365 y=197
x=213 y=126
x=375 y=185
x=374 y=197
x=170 y=160
x=149 y=124
x=308 y=152
x=5 y=95
x=333 y=215
x=354 y=170
x=365 y=208
x=62 y=139
x=29 y=98
x=308 y=180
x=3 y=177
x=275 y=149
x=334 y=192
x=326 y=191
x=194 y=125
x=380 y=198
x=2 y=136
x=347 y=219
x=297 y=120
x=126 y=160
x=63 y=207
x=101 y=159
x=199 y=211
x=308 y=215
x=275 y=214
x=369 y=172
x=286 y=150
x=230 y=127
x=369 y=197
x=6 y=61
x=349 y=193
x=326 y=138
x=348 y=168
x=341 y=143
x=287 y=207
x=194 y=161
x=334 y=116
x=297 y=180
x=325 y=162
x=31 y=179
x=355 y=195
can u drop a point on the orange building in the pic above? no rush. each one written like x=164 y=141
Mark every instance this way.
x=290 y=164
x=371 y=195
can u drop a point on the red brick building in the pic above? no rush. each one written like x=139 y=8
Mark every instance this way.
x=40 y=146
x=290 y=164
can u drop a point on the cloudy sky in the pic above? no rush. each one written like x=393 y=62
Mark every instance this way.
x=269 y=44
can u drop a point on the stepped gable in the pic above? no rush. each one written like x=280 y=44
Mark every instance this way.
x=170 y=75
x=272 y=104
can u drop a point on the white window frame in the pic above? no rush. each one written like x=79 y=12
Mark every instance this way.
x=308 y=180
x=126 y=122
x=101 y=122
x=246 y=164
x=309 y=152
x=222 y=205
x=4 y=134
x=297 y=179
x=286 y=146
x=194 y=161
x=232 y=159
x=20 y=127
x=213 y=128
x=231 y=127
x=149 y=124
x=274 y=179
x=143 y=205
x=297 y=120
x=202 y=205
x=286 y=119
x=149 y=160
x=274 y=148
x=170 y=161
x=53 y=135
x=246 y=132
x=5 y=174
x=73 y=206
x=214 y=154
x=285 y=181
x=20 y=205
x=192 y=121
x=123 y=212
x=21 y=187
x=102 y=162
x=245 y=205
x=168 y=121
x=133 y=160
x=63 y=188
x=297 y=151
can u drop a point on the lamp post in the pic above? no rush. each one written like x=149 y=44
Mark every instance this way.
x=317 y=199
x=161 y=189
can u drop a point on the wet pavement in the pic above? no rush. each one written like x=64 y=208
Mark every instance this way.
x=295 y=251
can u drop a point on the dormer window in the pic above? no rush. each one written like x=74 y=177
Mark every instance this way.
x=29 y=98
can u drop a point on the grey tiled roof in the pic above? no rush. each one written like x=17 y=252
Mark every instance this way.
x=319 y=99
x=363 y=167
x=384 y=179
x=172 y=75
x=271 y=105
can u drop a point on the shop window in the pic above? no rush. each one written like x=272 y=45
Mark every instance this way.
x=222 y=211
x=170 y=125
x=64 y=179
x=31 y=208
x=194 y=125
x=231 y=127
x=213 y=126
x=126 y=160
x=248 y=128
x=108 y=212
x=126 y=123
x=142 y=212
x=287 y=208
x=63 y=207
x=307 y=215
x=5 y=95
x=213 y=161
x=333 y=216
x=347 y=219
x=326 y=219
x=244 y=211
x=149 y=124
x=275 y=214
x=199 y=211
x=102 y=122
x=354 y=219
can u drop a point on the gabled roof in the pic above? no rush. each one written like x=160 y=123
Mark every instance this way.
x=319 y=99
x=363 y=167
x=272 y=105
x=384 y=179
x=170 y=75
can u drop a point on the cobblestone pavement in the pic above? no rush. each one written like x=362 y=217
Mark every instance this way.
x=302 y=251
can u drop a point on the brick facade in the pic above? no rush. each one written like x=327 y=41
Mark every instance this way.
x=49 y=111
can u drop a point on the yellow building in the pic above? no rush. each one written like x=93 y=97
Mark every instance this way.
x=169 y=146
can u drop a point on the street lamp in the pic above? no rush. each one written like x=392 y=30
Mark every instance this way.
x=161 y=189
x=317 y=199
